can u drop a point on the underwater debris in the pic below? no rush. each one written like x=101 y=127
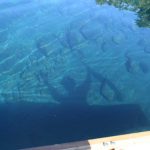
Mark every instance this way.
x=104 y=81
x=106 y=92
x=115 y=93
x=61 y=40
x=66 y=40
x=90 y=32
x=75 y=94
x=71 y=38
x=132 y=66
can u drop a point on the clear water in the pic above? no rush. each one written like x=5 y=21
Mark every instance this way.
x=73 y=70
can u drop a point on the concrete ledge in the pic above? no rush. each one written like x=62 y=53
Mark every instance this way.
x=134 y=141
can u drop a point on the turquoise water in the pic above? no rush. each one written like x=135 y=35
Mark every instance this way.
x=73 y=57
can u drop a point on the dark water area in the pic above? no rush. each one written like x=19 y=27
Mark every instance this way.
x=27 y=124
x=73 y=70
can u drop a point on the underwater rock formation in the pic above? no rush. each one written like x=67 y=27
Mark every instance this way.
x=106 y=84
x=90 y=32
x=70 y=38
x=76 y=95
x=109 y=91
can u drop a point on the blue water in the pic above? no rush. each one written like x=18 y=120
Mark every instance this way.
x=72 y=70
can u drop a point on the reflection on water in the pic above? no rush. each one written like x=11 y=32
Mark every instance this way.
x=141 y=7
x=78 y=55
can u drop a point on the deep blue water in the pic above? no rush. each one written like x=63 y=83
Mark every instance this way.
x=72 y=70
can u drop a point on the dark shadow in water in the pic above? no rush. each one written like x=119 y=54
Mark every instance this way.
x=27 y=124
x=76 y=95
x=104 y=81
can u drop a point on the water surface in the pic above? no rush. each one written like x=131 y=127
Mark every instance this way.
x=63 y=59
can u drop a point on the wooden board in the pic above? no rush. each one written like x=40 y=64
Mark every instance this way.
x=136 y=141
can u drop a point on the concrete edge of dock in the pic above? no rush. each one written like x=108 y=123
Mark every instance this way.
x=130 y=141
